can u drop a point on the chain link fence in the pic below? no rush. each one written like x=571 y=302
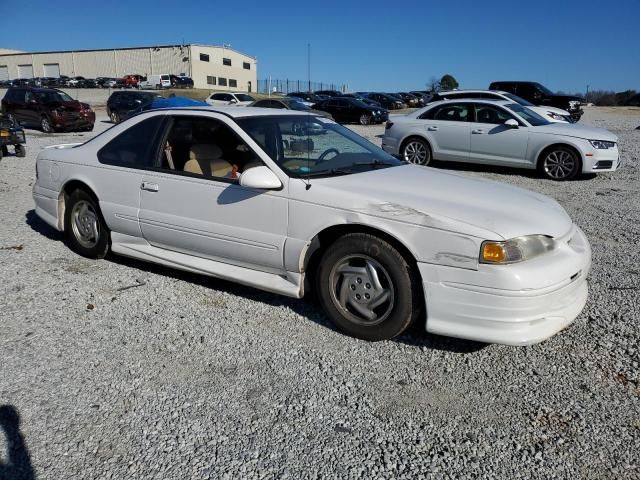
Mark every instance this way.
x=288 y=86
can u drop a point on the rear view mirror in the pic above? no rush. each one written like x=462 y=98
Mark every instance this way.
x=511 y=123
x=260 y=178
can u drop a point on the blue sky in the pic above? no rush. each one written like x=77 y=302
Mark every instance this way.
x=375 y=45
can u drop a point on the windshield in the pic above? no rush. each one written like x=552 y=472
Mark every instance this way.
x=544 y=89
x=53 y=97
x=518 y=99
x=243 y=97
x=529 y=115
x=312 y=146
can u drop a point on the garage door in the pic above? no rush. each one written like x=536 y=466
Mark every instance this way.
x=25 y=71
x=4 y=72
x=52 y=70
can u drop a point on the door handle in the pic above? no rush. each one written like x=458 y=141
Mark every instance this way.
x=150 y=187
x=432 y=128
x=477 y=130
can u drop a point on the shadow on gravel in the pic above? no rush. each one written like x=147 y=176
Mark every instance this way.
x=18 y=465
x=38 y=225
x=522 y=172
x=307 y=308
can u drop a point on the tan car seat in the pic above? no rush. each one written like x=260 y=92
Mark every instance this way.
x=204 y=159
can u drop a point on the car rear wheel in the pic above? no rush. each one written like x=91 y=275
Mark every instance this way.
x=85 y=229
x=560 y=163
x=115 y=117
x=368 y=288
x=45 y=125
x=417 y=151
x=365 y=119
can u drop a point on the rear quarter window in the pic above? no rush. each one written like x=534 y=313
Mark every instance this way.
x=136 y=147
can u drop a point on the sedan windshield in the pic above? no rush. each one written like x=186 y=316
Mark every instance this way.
x=518 y=99
x=312 y=146
x=529 y=115
x=544 y=89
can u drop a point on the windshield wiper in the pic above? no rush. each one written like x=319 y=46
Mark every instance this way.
x=374 y=164
x=328 y=171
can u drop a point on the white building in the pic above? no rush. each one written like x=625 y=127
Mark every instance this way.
x=211 y=67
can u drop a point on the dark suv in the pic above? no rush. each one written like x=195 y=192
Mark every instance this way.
x=127 y=103
x=540 y=95
x=48 y=109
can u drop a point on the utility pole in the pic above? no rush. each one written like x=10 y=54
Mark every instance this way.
x=309 y=65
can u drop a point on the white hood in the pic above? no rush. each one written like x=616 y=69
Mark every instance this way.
x=445 y=200
x=576 y=130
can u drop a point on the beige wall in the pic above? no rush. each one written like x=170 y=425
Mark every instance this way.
x=215 y=68
x=145 y=61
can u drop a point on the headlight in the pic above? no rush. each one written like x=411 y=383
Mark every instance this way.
x=602 y=144
x=516 y=249
x=556 y=116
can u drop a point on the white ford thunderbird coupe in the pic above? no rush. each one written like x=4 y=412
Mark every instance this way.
x=287 y=201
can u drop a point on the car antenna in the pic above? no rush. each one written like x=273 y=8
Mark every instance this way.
x=308 y=186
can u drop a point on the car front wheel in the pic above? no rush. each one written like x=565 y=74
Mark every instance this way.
x=560 y=163
x=417 y=151
x=365 y=119
x=85 y=229
x=368 y=288
x=45 y=125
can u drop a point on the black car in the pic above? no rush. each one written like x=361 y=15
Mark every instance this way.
x=123 y=104
x=181 y=81
x=351 y=110
x=328 y=93
x=387 y=101
x=538 y=94
x=306 y=96
x=288 y=104
x=48 y=109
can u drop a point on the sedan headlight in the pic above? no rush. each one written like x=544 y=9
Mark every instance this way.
x=556 y=116
x=516 y=249
x=602 y=144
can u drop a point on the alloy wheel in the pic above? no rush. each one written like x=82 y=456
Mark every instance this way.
x=85 y=224
x=362 y=289
x=417 y=152
x=45 y=125
x=365 y=119
x=559 y=164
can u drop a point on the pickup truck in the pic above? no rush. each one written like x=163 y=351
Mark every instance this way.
x=538 y=94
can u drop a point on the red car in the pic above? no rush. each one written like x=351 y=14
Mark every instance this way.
x=132 y=81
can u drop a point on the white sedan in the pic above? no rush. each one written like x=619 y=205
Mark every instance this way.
x=249 y=195
x=229 y=99
x=500 y=133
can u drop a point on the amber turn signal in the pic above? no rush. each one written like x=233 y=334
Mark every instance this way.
x=493 y=252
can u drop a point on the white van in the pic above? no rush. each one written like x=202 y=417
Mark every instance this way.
x=156 y=81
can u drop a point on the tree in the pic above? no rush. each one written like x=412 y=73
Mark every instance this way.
x=433 y=85
x=447 y=82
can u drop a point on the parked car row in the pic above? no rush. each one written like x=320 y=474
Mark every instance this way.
x=128 y=81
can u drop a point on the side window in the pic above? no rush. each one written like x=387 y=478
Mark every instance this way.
x=136 y=147
x=28 y=96
x=217 y=96
x=453 y=112
x=491 y=114
x=206 y=147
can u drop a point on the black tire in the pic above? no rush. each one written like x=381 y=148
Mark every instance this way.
x=393 y=273
x=21 y=151
x=416 y=150
x=12 y=119
x=4 y=151
x=365 y=119
x=559 y=163
x=75 y=239
x=45 y=124
x=1 y=152
x=115 y=117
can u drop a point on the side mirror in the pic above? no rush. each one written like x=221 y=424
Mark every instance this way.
x=512 y=123
x=260 y=178
x=233 y=100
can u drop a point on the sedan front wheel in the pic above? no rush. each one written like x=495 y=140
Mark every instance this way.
x=85 y=230
x=416 y=151
x=560 y=163
x=368 y=288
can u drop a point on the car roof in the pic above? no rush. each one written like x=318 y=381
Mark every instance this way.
x=236 y=112
x=472 y=100
x=479 y=90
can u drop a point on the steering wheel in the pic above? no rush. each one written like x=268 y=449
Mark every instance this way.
x=324 y=154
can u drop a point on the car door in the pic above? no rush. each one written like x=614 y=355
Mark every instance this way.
x=447 y=128
x=193 y=203
x=494 y=142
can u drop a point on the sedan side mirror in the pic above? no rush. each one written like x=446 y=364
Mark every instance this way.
x=233 y=100
x=512 y=123
x=261 y=178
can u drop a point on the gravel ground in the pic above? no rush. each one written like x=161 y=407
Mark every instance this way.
x=121 y=369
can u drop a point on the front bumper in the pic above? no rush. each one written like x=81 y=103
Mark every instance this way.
x=597 y=161
x=74 y=120
x=484 y=309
